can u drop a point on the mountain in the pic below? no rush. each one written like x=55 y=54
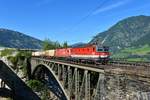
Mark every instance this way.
x=127 y=33
x=14 y=39
x=79 y=44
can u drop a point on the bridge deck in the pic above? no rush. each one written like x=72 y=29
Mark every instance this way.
x=131 y=69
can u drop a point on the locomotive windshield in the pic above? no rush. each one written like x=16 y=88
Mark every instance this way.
x=102 y=49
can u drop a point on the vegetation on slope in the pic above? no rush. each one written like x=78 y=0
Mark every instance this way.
x=13 y=39
x=134 y=54
x=130 y=32
x=6 y=52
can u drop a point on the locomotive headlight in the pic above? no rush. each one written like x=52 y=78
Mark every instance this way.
x=103 y=56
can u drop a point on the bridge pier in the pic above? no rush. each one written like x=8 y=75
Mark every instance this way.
x=77 y=85
x=100 y=89
x=87 y=85
x=69 y=82
x=64 y=76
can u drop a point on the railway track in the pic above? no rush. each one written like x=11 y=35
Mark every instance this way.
x=114 y=67
x=112 y=63
x=130 y=63
x=122 y=67
x=116 y=63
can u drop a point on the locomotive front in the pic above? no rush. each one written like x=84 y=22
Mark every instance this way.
x=104 y=54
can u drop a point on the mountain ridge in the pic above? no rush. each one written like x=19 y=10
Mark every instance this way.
x=130 y=32
x=15 y=39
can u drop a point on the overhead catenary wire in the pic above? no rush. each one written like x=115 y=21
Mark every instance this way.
x=88 y=15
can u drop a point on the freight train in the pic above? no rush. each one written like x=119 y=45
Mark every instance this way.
x=89 y=53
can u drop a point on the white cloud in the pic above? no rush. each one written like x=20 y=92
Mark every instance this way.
x=109 y=7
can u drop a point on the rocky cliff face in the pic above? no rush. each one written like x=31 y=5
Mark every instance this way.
x=125 y=87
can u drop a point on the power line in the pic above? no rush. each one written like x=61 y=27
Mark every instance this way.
x=89 y=14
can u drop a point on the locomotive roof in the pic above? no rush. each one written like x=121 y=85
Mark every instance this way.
x=83 y=46
x=89 y=45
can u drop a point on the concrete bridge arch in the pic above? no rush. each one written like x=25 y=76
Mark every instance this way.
x=46 y=75
x=72 y=81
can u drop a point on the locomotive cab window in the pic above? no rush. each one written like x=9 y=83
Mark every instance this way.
x=106 y=49
x=100 y=49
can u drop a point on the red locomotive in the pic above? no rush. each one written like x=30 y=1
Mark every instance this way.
x=92 y=53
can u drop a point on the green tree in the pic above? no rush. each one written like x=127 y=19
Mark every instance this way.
x=35 y=85
x=48 y=44
x=57 y=45
x=14 y=61
x=24 y=54
x=39 y=87
x=65 y=44
x=7 y=52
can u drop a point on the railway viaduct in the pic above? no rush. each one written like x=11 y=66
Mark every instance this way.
x=73 y=81
x=76 y=81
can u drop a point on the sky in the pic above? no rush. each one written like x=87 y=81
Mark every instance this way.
x=67 y=20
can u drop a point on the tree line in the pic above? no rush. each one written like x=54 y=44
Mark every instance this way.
x=48 y=44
